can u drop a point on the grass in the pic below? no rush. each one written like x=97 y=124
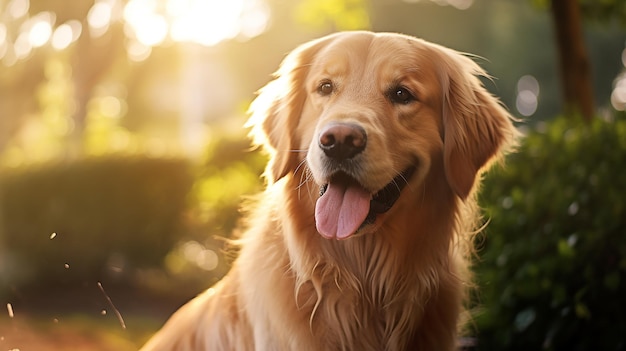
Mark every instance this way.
x=74 y=332
x=59 y=319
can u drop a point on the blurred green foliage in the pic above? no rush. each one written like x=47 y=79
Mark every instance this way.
x=340 y=15
x=553 y=268
x=89 y=219
x=230 y=171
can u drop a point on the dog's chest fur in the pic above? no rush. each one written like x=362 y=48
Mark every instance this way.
x=348 y=312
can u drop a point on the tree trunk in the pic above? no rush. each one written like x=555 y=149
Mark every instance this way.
x=574 y=61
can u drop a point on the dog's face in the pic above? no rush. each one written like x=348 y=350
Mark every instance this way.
x=365 y=116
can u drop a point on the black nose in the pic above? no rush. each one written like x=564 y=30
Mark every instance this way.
x=342 y=141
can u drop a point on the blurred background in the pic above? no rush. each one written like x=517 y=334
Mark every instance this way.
x=123 y=161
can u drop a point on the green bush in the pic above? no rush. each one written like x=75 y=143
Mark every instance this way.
x=225 y=181
x=67 y=222
x=230 y=173
x=552 y=272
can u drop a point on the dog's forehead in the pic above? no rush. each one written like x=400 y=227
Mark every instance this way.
x=342 y=55
x=389 y=55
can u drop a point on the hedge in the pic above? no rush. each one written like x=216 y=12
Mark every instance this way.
x=552 y=268
x=71 y=221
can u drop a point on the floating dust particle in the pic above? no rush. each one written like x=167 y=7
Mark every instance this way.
x=117 y=312
x=10 y=310
x=53 y=235
x=67 y=266
x=55 y=321
x=103 y=312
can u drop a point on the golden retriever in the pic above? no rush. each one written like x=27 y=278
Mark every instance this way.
x=361 y=239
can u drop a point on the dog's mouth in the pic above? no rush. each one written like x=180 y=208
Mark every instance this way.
x=345 y=206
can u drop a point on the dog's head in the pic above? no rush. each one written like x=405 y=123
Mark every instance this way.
x=366 y=114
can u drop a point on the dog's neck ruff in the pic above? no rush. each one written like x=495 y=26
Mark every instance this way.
x=344 y=206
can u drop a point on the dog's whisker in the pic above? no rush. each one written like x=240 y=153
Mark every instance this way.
x=303 y=174
x=395 y=179
x=304 y=179
x=306 y=182
x=406 y=181
x=394 y=175
x=309 y=182
x=302 y=163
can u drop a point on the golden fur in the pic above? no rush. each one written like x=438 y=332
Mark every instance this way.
x=400 y=282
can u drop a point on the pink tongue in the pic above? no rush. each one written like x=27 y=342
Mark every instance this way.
x=341 y=210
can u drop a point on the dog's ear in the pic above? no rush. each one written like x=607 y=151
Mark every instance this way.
x=477 y=128
x=275 y=113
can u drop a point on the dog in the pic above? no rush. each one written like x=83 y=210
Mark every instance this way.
x=363 y=235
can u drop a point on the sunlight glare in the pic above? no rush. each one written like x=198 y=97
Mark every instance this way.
x=209 y=22
x=152 y=31
x=205 y=22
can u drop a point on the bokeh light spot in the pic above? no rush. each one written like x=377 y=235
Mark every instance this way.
x=137 y=51
x=18 y=8
x=62 y=37
x=110 y=106
x=40 y=33
x=66 y=34
x=527 y=99
x=618 y=96
x=152 y=31
x=3 y=33
x=22 y=46
x=99 y=18
x=199 y=255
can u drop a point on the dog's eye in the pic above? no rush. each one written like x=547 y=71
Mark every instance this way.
x=401 y=95
x=325 y=88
